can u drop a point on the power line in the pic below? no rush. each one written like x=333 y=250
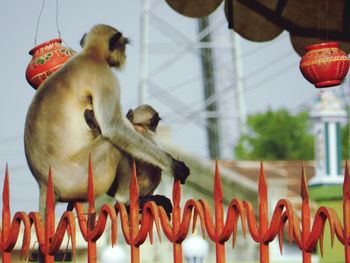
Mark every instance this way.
x=268 y=65
x=259 y=49
x=218 y=95
x=271 y=77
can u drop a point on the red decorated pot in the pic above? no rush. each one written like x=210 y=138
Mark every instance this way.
x=324 y=65
x=47 y=58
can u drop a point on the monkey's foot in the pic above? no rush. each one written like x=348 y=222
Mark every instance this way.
x=70 y=206
x=160 y=200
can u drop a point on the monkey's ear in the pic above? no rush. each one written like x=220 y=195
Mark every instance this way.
x=130 y=115
x=82 y=41
x=114 y=41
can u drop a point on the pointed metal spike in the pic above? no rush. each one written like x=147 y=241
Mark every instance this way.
x=280 y=243
x=332 y=237
x=6 y=190
x=263 y=202
x=158 y=229
x=217 y=184
x=150 y=233
x=6 y=213
x=321 y=243
x=234 y=239
x=262 y=186
x=280 y=240
x=50 y=194
x=290 y=231
x=304 y=192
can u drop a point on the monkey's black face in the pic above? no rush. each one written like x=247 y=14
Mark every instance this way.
x=154 y=122
x=117 y=46
x=118 y=42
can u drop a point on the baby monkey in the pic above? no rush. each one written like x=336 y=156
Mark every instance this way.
x=144 y=119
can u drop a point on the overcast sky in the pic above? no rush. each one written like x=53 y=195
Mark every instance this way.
x=272 y=75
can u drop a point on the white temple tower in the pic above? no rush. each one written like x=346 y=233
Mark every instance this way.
x=328 y=114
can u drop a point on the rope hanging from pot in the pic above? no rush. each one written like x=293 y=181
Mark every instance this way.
x=39 y=18
x=58 y=30
x=38 y=22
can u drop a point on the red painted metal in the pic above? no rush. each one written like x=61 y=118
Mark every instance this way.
x=49 y=239
x=91 y=220
x=91 y=227
x=264 y=234
x=9 y=231
x=177 y=230
x=221 y=231
x=219 y=216
x=307 y=237
x=176 y=214
x=343 y=233
x=305 y=214
x=263 y=216
x=6 y=217
x=92 y=223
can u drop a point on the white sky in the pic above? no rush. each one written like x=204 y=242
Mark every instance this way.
x=272 y=75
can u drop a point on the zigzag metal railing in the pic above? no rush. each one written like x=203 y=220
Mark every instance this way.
x=92 y=225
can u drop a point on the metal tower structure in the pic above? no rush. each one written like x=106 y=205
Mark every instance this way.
x=171 y=74
x=209 y=88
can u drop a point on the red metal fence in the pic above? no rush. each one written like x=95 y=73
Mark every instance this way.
x=306 y=233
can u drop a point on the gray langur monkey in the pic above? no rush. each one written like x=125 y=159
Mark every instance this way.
x=144 y=119
x=57 y=135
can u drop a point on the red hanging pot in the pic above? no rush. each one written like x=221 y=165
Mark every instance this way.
x=47 y=58
x=324 y=64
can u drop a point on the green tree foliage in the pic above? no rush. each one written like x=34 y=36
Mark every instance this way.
x=276 y=135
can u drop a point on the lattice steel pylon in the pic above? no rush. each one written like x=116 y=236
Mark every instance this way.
x=170 y=61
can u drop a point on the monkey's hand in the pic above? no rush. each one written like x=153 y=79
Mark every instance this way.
x=180 y=171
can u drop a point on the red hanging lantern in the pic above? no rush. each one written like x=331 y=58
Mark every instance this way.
x=324 y=64
x=47 y=58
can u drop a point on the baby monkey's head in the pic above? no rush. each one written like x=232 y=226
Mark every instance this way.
x=144 y=117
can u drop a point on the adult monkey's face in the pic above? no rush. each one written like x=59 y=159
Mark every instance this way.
x=117 y=47
x=108 y=41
